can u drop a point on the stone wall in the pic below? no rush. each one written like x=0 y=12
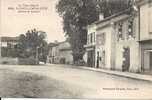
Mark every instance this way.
x=145 y=21
x=7 y=60
x=134 y=55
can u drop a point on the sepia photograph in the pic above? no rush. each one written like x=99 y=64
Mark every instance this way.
x=76 y=49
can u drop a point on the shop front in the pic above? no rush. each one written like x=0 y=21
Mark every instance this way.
x=91 y=57
x=146 y=56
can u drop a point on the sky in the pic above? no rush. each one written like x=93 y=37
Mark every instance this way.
x=15 y=21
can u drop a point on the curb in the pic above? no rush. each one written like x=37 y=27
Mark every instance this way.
x=141 y=77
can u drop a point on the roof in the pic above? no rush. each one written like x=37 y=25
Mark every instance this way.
x=9 y=39
x=114 y=16
x=110 y=17
x=142 y=2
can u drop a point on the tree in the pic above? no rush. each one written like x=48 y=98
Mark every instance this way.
x=77 y=14
x=33 y=43
x=110 y=7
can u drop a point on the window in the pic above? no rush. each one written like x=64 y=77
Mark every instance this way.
x=120 y=31
x=101 y=38
x=103 y=57
x=88 y=39
x=130 y=27
x=94 y=37
x=91 y=38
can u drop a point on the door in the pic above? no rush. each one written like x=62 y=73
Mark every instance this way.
x=126 y=62
x=150 y=61
x=97 y=66
x=91 y=58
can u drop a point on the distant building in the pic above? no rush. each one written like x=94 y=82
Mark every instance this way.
x=9 y=41
x=60 y=53
x=8 y=52
x=8 y=45
x=50 y=54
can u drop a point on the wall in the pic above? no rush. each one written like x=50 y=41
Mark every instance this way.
x=55 y=54
x=145 y=21
x=60 y=51
x=91 y=29
x=8 y=60
x=145 y=47
x=67 y=54
x=134 y=55
x=106 y=47
x=90 y=46
x=132 y=43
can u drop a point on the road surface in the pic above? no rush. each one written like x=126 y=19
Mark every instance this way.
x=64 y=81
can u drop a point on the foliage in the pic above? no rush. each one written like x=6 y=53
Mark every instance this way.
x=77 y=14
x=32 y=44
x=110 y=7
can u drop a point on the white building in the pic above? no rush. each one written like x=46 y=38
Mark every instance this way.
x=90 y=46
x=124 y=41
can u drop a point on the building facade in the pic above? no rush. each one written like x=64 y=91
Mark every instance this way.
x=60 y=53
x=124 y=40
x=145 y=34
x=8 y=51
x=104 y=42
x=127 y=46
x=65 y=53
x=50 y=54
x=90 y=46
x=8 y=46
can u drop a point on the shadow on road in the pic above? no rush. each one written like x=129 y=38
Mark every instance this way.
x=28 y=85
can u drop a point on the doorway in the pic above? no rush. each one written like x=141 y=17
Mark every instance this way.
x=148 y=61
x=91 y=58
x=126 y=61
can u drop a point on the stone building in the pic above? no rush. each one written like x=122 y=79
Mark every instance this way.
x=124 y=41
x=60 y=53
x=90 y=46
x=8 y=52
x=50 y=54
x=8 y=45
x=116 y=35
x=145 y=34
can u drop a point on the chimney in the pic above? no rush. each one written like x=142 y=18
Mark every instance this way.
x=101 y=16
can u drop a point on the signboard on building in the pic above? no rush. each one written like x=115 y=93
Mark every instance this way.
x=100 y=39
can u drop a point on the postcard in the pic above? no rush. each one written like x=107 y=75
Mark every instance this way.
x=76 y=49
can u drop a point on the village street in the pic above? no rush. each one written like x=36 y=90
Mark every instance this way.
x=65 y=81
